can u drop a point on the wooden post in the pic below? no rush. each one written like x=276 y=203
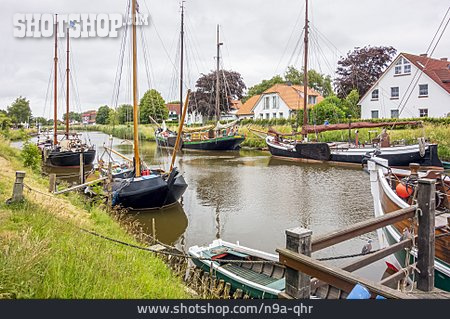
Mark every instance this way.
x=52 y=183
x=298 y=284
x=81 y=168
x=426 y=236
x=109 y=187
x=17 y=195
x=154 y=231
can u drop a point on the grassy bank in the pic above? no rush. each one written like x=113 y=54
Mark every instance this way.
x=44 y=254
x=17 y=134
x=146 y=132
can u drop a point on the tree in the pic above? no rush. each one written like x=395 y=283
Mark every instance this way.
x=152 y=104
x=351 y=103
x=102 y=115
x=329 y=109
x=261 y=87
x=5 y=121
x=231 y=87
x=125 y=113
x=319 y=82
x=73 y=117
x=113 y=117
x=20 y=111
x=361 y=68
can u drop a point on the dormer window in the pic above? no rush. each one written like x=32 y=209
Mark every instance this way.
x=274 y=102
x=375 y=95
x=312 y=99
x=266 y=103
x=402 y=66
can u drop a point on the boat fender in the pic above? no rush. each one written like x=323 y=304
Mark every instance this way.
x=421 y=146
x=359 y=292
x=404 y=191
x=145 y=172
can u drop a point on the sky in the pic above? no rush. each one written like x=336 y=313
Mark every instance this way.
x=259 y=39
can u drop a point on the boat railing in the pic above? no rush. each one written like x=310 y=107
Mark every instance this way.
x=300 y=245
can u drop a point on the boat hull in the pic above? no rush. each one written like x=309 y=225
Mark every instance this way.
x=148 y=192
x=70 y=158
x=226 y=143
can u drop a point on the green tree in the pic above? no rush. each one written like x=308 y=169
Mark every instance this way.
x=113 y=117
x=19 y=111
x=5 y=121
x=154 y=105
x=351 y=103
x=317 y=81
x=261 y=87
x=330 y=109
x=31 y=155
x=41 y=121
x=125 y=113
x=73 y=116
x=102 y=115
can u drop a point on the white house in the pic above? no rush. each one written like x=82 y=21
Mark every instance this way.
x=279 y=101
x=412 y=86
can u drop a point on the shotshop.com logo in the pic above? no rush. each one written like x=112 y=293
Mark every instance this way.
x=82 y=25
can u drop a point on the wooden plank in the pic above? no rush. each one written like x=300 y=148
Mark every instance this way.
x=425 y=243
x=80 y=186
x=368 y=259
x=397 y=276
x=334 y=276
x=361 y=228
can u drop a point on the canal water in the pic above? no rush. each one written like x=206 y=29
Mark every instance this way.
x=249 y=197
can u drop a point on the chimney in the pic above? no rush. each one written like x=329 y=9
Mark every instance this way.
x=424 y=55
x=443 y=59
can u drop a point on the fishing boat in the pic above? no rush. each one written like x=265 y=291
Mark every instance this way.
x=147 y=188
x=423 y=153
x=71 y=148
x=393 y=191
x=258 y=280
x=221 y=137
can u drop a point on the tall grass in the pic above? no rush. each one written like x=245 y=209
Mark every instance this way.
x=43 y=253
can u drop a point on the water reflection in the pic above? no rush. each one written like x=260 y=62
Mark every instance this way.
x=170 y=223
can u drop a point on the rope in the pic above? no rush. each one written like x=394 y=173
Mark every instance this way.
x=347 y=256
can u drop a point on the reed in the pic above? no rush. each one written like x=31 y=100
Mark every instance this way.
x=45 y=255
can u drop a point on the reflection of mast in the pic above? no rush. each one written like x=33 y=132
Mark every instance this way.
x=55 y=97
x=305 y=73
x=137 y=162
x=67 y=85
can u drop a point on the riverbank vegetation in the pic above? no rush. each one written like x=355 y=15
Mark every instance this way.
x=44 y=254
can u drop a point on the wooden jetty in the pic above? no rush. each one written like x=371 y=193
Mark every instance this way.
x=306 y=276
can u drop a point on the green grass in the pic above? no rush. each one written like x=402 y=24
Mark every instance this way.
x=146 y=132
x=44 y=255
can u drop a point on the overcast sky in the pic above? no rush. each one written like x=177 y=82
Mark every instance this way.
x=259 y=40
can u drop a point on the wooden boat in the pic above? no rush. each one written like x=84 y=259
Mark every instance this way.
x=258 y=280
x=222 y=137
x=146 y=188
x=386 y=200
x=66 y=152
x=425 y=154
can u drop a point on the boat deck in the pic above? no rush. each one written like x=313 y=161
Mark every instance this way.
x=259 y=278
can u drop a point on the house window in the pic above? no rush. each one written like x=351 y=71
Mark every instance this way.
x=375 y=94
x=375 y=114
x=274 y=115
x=394 y=92
x=281 y=115
x=423 y=112
x=394 y=114
x=267 y=115
x=274 y=102
x=407 y=67
x=266 y=103
x=423 y=89
x=398 y=69
x=261 y=116
x=312 y=99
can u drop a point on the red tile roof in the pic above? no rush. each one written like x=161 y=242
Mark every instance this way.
x=174 y=107
x=437 y=70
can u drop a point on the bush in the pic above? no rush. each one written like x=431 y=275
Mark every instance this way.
x=31 y=155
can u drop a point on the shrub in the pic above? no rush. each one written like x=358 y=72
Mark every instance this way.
x=31 y=155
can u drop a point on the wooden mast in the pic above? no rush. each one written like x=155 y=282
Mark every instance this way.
x=137 y=162
x=217 y=77
x=180 y=131
x=305 y=73
x=67 y=86
x=181 y=57
x=55 y=83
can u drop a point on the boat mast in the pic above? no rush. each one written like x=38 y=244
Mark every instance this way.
x=181 y=57
x=137 y=162
x=67 y=85
x=305 y=73
x=55 y=97
x=217 y=77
